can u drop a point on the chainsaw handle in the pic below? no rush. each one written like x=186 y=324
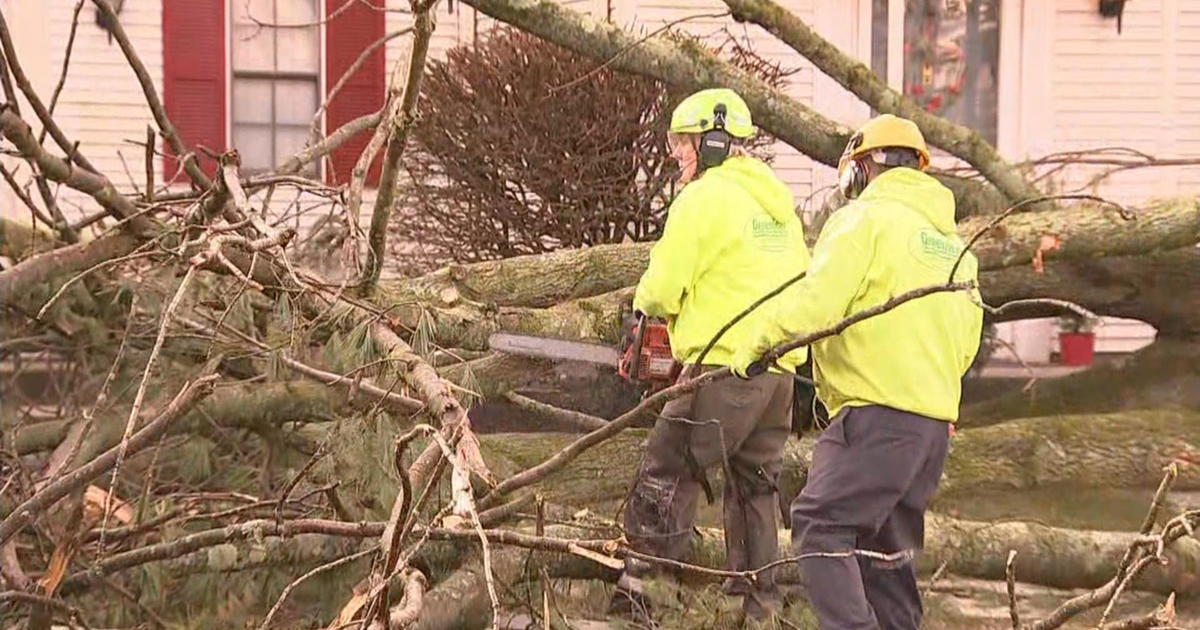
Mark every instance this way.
x=635 y=360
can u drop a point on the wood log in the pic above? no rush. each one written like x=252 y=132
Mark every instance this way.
x=469 y=302
x=1121 y=450
x=1162 y=375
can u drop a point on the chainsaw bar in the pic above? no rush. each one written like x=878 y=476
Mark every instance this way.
x=551 y=348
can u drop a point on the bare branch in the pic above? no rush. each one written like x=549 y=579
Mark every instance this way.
x=334 y=140
x=48 y=123
x=574 y=418
x=170 y=134
x=400 y=123
x=315 y=125
x=26 y=512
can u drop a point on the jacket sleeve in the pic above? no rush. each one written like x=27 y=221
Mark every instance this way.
x=673 y=259
x=972 y=326
x=839 y=264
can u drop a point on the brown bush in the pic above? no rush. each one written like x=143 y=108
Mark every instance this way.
x=525 y=147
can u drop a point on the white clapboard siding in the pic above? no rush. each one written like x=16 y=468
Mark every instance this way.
x=102 y=105
x=1187 y=99
x=646 y=16
x=1125 y=90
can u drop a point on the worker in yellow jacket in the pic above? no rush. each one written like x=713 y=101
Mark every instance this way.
x=731 y=235
x=891 y=383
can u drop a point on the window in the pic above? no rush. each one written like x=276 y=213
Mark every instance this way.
x=951 y=57
x=275 y=75
x=276 y=66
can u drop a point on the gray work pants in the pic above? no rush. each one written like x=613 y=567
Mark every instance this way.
x=873 y=472
x=734 y=423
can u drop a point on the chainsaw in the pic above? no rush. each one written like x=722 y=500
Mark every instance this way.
x=643 y=358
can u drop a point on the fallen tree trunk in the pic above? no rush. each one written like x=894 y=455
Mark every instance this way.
x=469 y=302
x=1161 y=375
x=1126 y=450
x=1156 y=287
x=1050 y=556
x=689 y=66
x=677 y=62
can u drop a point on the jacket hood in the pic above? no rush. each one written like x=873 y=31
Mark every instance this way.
x=757 y=179
x=919 y=192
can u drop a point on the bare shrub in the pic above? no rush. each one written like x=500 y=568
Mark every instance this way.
x=525 y=147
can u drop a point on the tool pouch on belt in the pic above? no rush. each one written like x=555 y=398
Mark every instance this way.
x=807 y=411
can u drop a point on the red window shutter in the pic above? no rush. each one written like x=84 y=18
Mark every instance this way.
x=346 y=37
x=194 y=71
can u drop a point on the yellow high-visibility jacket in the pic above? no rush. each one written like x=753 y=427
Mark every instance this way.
x=730 y=237
x=897 y=236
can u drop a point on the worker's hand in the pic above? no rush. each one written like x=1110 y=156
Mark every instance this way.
x=749 y=361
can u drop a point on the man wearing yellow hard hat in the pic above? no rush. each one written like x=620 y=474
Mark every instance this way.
x=891 y=383
x=731 y=235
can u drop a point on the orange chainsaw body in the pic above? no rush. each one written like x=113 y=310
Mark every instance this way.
x=647 y=358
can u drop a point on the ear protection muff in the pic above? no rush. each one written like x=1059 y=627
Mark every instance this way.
x=853 y=179
x=716 y=143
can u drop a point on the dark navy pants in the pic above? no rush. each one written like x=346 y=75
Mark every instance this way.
x=873 y=473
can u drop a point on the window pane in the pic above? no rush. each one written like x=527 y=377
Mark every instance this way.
x=952 y=60
x=251 y=100
x=289 y=139
x=295 y=101
x=253 y=142
x=252 y=48
x=297 y=49
x=261 y=10
x=296 y=11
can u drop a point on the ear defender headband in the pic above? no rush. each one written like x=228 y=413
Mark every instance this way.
x=715 y=143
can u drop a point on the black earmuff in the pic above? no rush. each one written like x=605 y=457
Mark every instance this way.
x=854 y=179
x=716 y=143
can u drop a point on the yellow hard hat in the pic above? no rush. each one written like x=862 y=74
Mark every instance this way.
x=698 y=112
x=881 y=132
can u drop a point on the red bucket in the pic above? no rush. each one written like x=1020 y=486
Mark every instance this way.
x=1077 y=348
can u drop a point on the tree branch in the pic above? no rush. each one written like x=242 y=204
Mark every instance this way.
x=169 y=133
x=406 y=115
x=856 y=77
x=679 y=63
x=10 y=56
x=26 y=512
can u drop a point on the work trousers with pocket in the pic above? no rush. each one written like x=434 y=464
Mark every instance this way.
x=873 y=473
x=739 y=425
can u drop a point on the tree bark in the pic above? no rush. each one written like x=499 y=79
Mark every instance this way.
x=1162 y=375
x=1157 y=287
x=1087 y=231
x=1124 y=450
x=677 y=62
x=856 y=77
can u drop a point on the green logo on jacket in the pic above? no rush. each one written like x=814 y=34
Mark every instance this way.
x=934 y=249
x=767 y=234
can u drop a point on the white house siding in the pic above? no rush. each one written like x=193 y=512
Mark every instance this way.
x=1136 y=89
x=102 y=105
x=645 y=16
x=1187 y=98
